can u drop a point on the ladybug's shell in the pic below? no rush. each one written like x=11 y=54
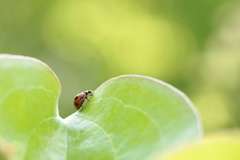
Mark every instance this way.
x=79 y=99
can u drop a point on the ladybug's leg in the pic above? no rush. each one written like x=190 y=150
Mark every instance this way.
x=84 y=102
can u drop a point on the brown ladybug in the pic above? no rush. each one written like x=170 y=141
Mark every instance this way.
x=81 y=99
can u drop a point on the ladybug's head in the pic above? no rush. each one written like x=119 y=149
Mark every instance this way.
x=88 y=93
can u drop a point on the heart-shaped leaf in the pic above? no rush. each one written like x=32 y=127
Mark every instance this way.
x=128 y=117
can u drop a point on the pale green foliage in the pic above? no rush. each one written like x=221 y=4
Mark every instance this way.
x=128 y=117
x=221 y=145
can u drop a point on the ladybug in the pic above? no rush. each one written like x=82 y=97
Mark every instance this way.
x=81 y=99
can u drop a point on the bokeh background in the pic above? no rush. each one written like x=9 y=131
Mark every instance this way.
x=193 y=45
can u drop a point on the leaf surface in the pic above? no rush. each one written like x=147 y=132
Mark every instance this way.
x=128 y=117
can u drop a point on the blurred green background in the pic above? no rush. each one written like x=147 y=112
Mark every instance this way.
x=193 y=45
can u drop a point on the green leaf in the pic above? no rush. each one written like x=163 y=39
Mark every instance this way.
x=218 y=146
x=128 y=117
x=29 y=94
